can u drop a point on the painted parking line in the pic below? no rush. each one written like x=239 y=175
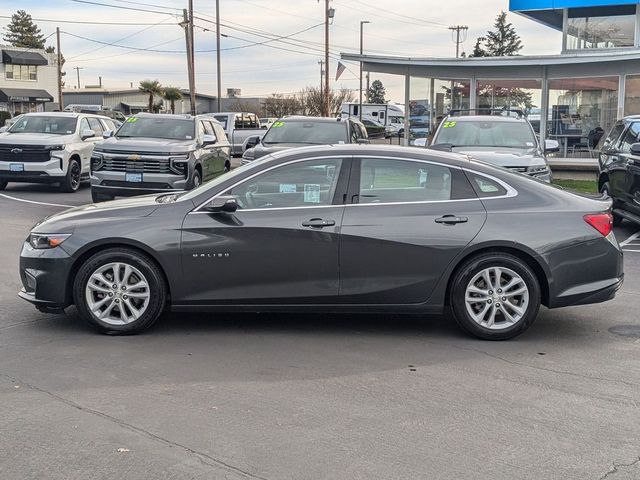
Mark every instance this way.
x=9 y=197
x=631 y=244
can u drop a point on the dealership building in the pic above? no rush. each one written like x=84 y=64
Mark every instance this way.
x=592 y=82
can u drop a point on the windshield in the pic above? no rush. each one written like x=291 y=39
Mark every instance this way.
x=485 y=133
x=158 y=127
x=222 y=119
x=44 y=124
x=306 y=132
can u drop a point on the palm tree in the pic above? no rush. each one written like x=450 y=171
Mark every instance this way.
x=152 y=87
x=172 y=94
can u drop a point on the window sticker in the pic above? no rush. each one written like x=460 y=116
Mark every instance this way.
x=132 y=120
x=277 y=124
x=423 y=177
x=188 y=137
x=288 y=188
x=311 y=193
x=449 y=124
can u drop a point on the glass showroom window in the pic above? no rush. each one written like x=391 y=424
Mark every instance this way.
x=516 y=94
x=632 y=95
x=598 y=28
x=21 y=72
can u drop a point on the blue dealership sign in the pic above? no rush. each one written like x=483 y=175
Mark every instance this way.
x=524 y=5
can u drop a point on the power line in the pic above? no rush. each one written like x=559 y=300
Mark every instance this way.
x=88 y=22
x=121 y=7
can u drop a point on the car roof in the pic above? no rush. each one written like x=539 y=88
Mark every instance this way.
x=305 y=118
x=164 y=115
x=64 y=114
x=486 y=118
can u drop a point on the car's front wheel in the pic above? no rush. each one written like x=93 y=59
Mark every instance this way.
x=495 y=296
x=119 y=291
x=71 y=181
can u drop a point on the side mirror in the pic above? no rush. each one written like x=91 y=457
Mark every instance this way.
x=363 y=141
x=551 y=146
x=421 y=142
x=252 y=142
x=208 y=140
x=635 y=149
x=87 y=134
x=222 y=204
x=107 y=134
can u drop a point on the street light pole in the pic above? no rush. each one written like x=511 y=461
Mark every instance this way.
x=362 y=22
x=218 y=53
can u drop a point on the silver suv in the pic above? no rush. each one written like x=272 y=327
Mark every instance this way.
x=51 y=148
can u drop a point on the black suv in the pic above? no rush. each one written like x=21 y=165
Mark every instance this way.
x=619 y=165
x=298 y=131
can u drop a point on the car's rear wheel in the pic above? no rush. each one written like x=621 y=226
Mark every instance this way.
x=100 y=197
x=71 y=181
x=3 y=184
x=495 y=296
x=606 y=190
x=120 y=291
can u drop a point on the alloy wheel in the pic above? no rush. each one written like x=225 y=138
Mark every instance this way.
x=497 y=298
x=75 y=175
x=117 y=293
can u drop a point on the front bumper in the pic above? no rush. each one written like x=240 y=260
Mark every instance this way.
x=51 y=171
x=44 y=275
x=115 y=184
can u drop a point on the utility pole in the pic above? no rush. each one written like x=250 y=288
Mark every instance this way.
x=362 y=22
x=60 y=99
x=187 y=25
x=368 y=78
x=77 y=69
x=218 y=54
x=328 y=15
x=321 y=63
x=459 y=29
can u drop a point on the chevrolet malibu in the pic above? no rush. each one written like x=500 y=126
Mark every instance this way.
x=345 y=228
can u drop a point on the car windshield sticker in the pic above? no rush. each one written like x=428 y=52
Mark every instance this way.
x=277 y=124
x=311 y=193
x=529 y=144
x=449 y=124
x=288 y=188
x=132 y=120
x=423 y=177
x=188 y=137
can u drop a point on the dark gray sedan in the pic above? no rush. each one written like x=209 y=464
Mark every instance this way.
x=342 y=228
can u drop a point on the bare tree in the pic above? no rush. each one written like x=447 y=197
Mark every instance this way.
x=311 y=100
x=279 y=105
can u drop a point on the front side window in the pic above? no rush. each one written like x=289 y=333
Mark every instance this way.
x=158 y=127
x=630 y=137
x=95 y=125
x=614 y=134
x=303 y=184
x=485 y=133
x=44 y=124
x=394 y=181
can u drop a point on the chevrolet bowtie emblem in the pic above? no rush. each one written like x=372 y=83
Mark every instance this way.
x=133 y=157
x=16 y=150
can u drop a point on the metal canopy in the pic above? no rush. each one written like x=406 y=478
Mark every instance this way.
x=24 y=95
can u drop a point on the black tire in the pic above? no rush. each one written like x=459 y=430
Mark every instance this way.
x=3 y=184
x=606 y=189
x=100 y=197
x=227 y=167
x=458 y=291
x=71 y=182
x=196 y=180
x=157 y=289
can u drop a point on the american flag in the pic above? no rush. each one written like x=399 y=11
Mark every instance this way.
x=341 y=68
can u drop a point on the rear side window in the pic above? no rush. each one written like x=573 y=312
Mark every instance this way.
x=397 y=181
x=485 y=187
x=630 y=137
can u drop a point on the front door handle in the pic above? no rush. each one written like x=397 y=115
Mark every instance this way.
x=318 y=223
x=451 y=220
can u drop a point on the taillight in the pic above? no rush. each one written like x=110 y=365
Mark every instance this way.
x=602 y=222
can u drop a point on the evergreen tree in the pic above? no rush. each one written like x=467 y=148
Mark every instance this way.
x=23 y=32
x=377 y=92
x=503 y=41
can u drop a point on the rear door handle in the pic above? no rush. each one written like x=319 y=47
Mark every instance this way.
x=318 y=223
x=451 y=220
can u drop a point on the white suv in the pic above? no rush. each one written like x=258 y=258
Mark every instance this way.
x=51 y=147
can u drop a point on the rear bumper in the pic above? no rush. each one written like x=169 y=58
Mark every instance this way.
x=597 y=292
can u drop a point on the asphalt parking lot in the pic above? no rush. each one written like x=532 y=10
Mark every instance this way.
x=313 y=397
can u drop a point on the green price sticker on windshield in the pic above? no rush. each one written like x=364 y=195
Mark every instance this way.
x=132 y=119
x=449 y=124
x=277 y=124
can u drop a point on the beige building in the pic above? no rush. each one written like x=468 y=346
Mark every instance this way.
x=28 y=80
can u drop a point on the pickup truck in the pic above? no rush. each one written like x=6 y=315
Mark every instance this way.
x=239 y=126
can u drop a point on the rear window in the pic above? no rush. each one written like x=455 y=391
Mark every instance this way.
x=485 y=187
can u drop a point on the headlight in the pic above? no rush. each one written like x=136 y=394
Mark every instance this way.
x=42 y=241
x=97 y=161
x=55 y=147
x=537 y=168
x=179 y=164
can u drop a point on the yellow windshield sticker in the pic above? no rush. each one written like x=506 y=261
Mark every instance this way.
x=449 y=124
x=132 y=119
x=277 y=124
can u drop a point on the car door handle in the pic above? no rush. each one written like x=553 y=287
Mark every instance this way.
x=451 y=220
x=318 y=223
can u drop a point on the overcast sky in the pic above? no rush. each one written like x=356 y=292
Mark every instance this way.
x=406 y=27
